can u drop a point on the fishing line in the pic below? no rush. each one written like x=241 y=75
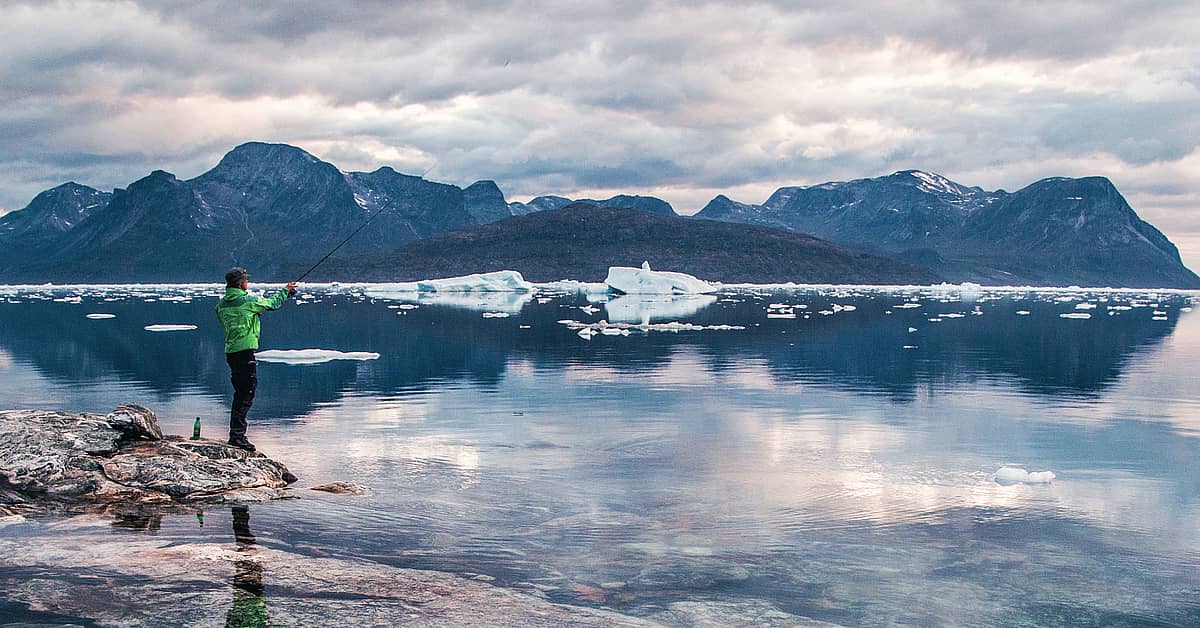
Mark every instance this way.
x=360 y=228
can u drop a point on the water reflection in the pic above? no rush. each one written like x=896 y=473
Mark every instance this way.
x=249 y=608
x=643 y=310
x=836 y=465
x=879 y=347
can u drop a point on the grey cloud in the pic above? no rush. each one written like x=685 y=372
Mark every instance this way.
x=1137 y=132
x=564 y=96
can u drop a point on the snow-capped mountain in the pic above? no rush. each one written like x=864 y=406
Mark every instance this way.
x=270 y=207
x=1057 y=231
x=277 y=209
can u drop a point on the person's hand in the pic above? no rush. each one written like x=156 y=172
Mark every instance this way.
x=291 y=288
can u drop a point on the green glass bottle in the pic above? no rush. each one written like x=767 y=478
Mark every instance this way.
x=196 y=429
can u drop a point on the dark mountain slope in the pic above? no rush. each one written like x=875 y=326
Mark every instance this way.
x=1054 y=232
x=582 y=241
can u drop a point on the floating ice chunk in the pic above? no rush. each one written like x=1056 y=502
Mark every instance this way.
x=311 y=356
x=1085 y=306
x=912 y=329
x=844 y=308
x=499 y=281
x=1159 y=318
x=953 y=315
x=587 y=309
x=909 y=347
x=905 y=306
x=169 y=327
x=587 y=330
x=781 y=314
x=100 y=315
x=1017 y=475
x=1159 y=313
x=1075 y=315
x=645 y=281
x=1022 y=312
x=75 y=299
x=496 y=314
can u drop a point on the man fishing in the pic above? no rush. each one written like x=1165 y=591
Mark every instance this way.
x=238 y=313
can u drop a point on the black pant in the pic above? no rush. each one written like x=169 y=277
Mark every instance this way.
x=243 y=372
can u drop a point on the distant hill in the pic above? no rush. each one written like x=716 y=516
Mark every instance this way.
x=1056 y=231
x=581 y=241
x=627 y=201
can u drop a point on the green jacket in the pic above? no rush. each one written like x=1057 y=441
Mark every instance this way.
x=238 y=313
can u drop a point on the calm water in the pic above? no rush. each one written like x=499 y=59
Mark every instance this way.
x=835 y=465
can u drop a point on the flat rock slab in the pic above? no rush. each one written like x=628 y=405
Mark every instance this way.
x=158 y=582
x=341 y=488
x=61 y=459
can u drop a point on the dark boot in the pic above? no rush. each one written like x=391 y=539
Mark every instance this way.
x=242 y=443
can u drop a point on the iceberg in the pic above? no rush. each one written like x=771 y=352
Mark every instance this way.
x=645 y=281
x=499 y=281
x=1017 y=475
x=311 y=356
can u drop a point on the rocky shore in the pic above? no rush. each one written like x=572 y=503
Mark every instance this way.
x=56 y=461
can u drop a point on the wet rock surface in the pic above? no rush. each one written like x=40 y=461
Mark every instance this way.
x=341 y=488
x=145 y=580
x=57 y=460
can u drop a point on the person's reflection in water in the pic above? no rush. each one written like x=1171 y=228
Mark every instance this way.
x=249 y=603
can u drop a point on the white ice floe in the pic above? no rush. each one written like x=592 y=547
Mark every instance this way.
x=912 y=329
x=169 y=327
x=100 y=315
x=587 y=330
x=311 y=356
x=905 y=306
x=645 y=281
x=1022 y=312
x=1017 y=475
x=1076 y=315
x=499 y=281
x=496 y=314
x=644 y=310
x=411 y=299
x=1085 y=306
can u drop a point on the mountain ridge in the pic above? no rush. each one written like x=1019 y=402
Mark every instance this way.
x=278 y=208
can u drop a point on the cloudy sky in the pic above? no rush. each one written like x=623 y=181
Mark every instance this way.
x=677 y=100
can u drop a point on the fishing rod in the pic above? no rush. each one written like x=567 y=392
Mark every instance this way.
x=360 y=228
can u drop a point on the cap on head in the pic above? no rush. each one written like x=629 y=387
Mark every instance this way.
x=235 y=277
